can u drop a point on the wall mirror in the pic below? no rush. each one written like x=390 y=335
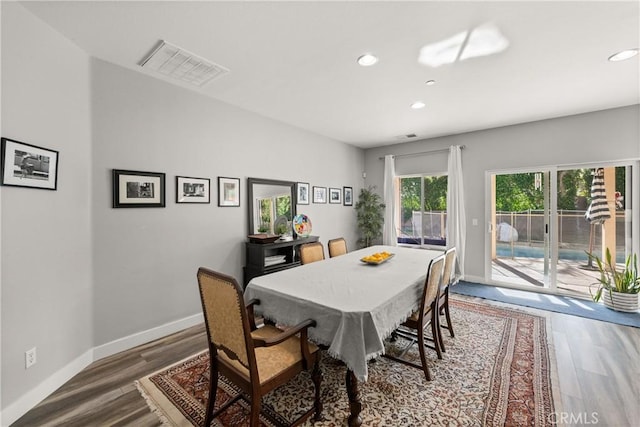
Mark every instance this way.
x=270 y=201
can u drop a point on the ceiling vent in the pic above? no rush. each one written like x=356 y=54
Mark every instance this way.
x=180 y=64
x=407 y=136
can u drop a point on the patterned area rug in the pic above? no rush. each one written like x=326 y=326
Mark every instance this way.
x=497 y=371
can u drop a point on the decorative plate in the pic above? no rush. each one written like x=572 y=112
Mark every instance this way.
x=377 y=258
x=302 y=225
x=281 y=220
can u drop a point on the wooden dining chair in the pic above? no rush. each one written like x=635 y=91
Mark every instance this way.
x=257 y=360
x=311 y=252
x=448 y=279
x=426 y=315
x=337 y=247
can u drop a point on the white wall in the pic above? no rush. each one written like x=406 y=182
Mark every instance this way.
x=46 y=240
x=145 y=259
x=593 y=137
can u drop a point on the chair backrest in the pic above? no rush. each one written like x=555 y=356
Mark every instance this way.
x=337 y=247
x=226 y=317
x=311 y=252
x=432 y=283
x=449 y=267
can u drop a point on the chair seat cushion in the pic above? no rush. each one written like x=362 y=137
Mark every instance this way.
x=271 y=360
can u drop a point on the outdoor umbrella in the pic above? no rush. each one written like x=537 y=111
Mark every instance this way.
x=598 y=210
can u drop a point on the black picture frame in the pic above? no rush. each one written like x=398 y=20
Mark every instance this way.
x=193 y=190
x=138 y=189
x=302 y=193
x=228 y=192
x=347 y=197
x=29 y=166
x=319 y=194
x=335 y=196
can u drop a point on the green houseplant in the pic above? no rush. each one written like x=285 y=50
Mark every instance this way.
x=617 y=287
x=370 y=214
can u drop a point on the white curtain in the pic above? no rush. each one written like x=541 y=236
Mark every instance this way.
x=456 y=218
x=389 y=235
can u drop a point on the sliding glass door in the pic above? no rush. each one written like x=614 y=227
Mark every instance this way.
x=539 y=233
x=519 y=226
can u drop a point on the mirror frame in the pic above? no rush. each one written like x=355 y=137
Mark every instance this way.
x=251 y=181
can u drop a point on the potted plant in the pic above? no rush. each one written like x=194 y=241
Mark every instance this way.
x=370 y=213
x=618 y=288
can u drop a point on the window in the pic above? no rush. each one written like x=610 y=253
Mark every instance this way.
x=422 y=210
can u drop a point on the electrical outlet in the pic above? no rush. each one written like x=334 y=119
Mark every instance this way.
x=30 y=358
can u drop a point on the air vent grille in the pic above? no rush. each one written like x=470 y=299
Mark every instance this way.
x=407 y=136
x=180 y=64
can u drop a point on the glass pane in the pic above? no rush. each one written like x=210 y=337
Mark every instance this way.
x=434 y=215
x=410 y=224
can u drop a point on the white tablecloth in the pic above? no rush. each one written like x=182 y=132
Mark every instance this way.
x=356 y=306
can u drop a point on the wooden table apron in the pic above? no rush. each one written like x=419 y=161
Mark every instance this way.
x=356 y=305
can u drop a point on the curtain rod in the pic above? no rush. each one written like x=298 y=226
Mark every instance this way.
x=422 y=153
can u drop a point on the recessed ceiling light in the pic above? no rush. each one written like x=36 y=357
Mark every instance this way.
x=625 y=54
x=418 y=105
x=367 y=60
x=430 y=82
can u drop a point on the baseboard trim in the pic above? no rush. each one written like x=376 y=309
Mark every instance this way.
x=34 y=396
x=30 y=399
x=133 y=340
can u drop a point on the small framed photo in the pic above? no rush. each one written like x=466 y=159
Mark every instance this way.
x=228 y=191
x=192 y=190
x=302 y=193
x=136 y=189
x=335 y=195
x=319 y=194
x=26 y=165
x=348 y=196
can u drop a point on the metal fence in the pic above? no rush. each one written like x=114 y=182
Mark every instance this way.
x=573 y=229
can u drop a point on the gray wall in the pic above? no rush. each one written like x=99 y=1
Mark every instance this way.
x=78 y=275
x=593 y=137
x=145 y=259
x=46 y=238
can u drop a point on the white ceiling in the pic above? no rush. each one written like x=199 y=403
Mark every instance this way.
x=296 y=61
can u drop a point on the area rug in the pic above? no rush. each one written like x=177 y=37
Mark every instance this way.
x=498 y=370
x=557 y=303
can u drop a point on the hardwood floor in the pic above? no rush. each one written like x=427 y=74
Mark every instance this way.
x=598 y=367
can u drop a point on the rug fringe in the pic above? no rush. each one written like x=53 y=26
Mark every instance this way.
x=152 y=406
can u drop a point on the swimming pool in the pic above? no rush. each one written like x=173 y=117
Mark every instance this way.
x=536 y=252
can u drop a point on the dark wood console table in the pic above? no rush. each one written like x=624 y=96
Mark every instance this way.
x=257 y=255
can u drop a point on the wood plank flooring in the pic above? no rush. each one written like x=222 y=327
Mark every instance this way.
x=598 y=367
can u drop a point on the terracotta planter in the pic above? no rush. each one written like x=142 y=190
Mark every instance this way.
x=620 y=302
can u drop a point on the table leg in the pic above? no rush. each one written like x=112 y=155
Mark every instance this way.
x=354 y=399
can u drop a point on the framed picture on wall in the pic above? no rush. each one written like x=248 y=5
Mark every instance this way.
x=319 y=194
x=137 y=189
x=26 y=165
x=302 y=193
x=335 y=195
x=228 y=191
x=192 y=190
x=348 y=196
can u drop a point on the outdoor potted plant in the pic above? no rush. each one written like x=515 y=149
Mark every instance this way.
x=370 y=214
x=618 y=287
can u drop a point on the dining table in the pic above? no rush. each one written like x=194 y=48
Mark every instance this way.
x=357 y=302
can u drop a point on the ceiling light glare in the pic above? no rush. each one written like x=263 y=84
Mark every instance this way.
x=625 y=54
x=367 y=60
x=430 y=82
x=418 y=105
